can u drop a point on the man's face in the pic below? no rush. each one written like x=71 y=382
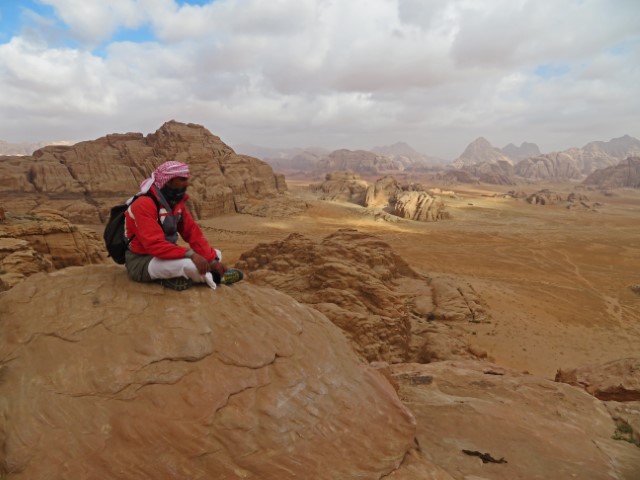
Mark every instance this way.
x=178 y=183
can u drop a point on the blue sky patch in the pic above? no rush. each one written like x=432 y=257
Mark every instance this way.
x=548 y=70
x=15 y=15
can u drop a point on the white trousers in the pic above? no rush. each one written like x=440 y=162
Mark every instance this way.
x=181 y=267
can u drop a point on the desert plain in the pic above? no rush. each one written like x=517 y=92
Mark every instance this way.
x=556 y=281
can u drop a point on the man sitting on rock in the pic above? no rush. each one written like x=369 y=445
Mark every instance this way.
x=152 y=224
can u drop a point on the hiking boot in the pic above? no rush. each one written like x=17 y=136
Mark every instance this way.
x=176 y=283
x=232 y=275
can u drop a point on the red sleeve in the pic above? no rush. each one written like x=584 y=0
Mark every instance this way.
x=192 y=234
x=149 y=233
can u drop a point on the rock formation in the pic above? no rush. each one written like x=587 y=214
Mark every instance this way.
x=359 y=161
x=480 y=421
x=44 y=242
x=386 y=194
x=480 y=151
x=25 y=148
x=389 y=312
x=626 y=174
x=342 y=186
x=525 y=150
x=453 y=177
x=382 y=193
x=86 y=179
x=493 y=173
x=544 y=197
x=618 y=380
x=104 y=378
x=419 y=206
x=549 y=167
x=406 y=155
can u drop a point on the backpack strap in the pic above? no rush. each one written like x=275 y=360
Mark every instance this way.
x=155 y=201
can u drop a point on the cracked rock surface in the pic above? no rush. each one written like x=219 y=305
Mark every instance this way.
x=105 y=378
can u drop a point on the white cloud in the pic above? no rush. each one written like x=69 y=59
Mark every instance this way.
x=437 y=74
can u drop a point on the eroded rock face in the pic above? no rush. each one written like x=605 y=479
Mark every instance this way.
x=544 y=197
x=44 y=242
x=95 y=175
x=388 y=311
x=618 y=380
x=105 y=378
x=419 y=206
x=480 y=151
x=550 y=167
x=343 y=186
x=499 y=172
x=521 y=426
x=624 y=174
x=360 y=161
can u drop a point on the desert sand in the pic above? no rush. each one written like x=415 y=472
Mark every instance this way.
x=556 y=281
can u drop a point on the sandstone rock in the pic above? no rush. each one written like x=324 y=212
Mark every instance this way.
x=625 y=174
x=549 y=167
x=97 y=174
x=525 y=150
x=498 y=172
x=419 y=206
x=385 y=307
x=343 y=186
x=480 y=151
x=42 y=243
x=452 y=177
x=382 y=192
x=544 y=197
x=618 y=380
x=539 y=428
x=601 y=155
x=104 y=378
x=627 y=418
x=359 y=161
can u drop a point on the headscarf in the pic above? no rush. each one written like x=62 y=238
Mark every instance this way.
x=165 y=172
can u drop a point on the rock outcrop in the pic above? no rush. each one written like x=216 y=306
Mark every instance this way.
x=545 y=197
x=480 y=151
x=625 y=174
x=86 y=179
x=493 y=173
x=419 y=206
x=342 y=186
x=389 y=312
x=598 y=155
x=549 y=167
x=359 y=161
x=618 y=380
x=478 y=421
x=525 y=150
x=104 y=378
x=44 y=242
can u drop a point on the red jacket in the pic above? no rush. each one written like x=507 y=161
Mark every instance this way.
x=142 y=223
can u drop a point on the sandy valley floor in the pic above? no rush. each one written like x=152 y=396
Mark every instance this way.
x=556 y=281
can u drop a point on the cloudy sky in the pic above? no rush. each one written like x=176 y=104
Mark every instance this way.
x=334 y=73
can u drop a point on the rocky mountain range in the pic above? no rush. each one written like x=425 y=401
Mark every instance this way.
x=84 y=180
x=26 y=148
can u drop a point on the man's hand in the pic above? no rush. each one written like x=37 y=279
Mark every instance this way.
x=201 y=263
x=217 y=267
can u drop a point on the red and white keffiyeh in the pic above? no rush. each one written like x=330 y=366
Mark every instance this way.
x=164 y=173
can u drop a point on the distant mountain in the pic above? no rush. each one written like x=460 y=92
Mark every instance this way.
x=406 y=154
x=624 y=174
x=276 y=152
x=525 y=150
x=550 y=167
x=25 y=148
x=480 y=151
x=360 y=161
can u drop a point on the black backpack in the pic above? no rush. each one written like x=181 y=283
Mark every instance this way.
x=114 y=239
